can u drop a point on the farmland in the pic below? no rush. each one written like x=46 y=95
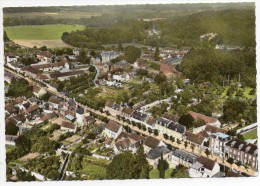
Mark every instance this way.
x=40 y=32
x=40 y=35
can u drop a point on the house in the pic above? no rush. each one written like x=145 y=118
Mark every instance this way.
x=139 y=117
x=171 y=117
x=54 y=102
x=182 y=157
x=19 y=119
x=10 y=109
x=208 y=121
x=109 y=143
x=217 y=142
x=155 y=154
x=43 y=56
x=112 y=129
x=68 y=126
x=33 y=111
x=204 y=168
x=66 y=75
x=89 y=119
x=165 y=126
x=80 y=115
x=38 y=91
x=31 y=71
x=127 y=112
x=11 y=58
x=151 y=143
x=127 y=142
x=197 y=140
x=241 y=151
x=121 y=65
x=212 y=129
x=113 y=109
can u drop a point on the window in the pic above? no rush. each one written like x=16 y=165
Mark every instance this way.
x=248 y=148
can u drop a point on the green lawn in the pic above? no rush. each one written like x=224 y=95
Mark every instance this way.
x=40 y=32
x=250 y=135
x=154 y=174
x=98 y=172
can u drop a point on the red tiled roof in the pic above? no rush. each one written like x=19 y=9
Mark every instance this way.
x=203 y=117
x=206 y=162
x=32 y=108
x=195 y=138
x=213 y=129
x=151 y=142
x=128 y=111
x=67 y=124
x=113 y=126
x=53 y=99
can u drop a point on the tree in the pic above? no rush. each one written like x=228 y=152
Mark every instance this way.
x=230 y=161
x=207 y=152
x=162 y=167
x=142 y=163
x=185 y=144
x=11 y=129
x=123 y=166
x=192 y=146
x=156 y=132
x=6 y=38
x=132 y=53
x=238 y=163
x=23 y=142
x=180 y=172
x=157 y=54
x=234 y=109
x=186 y=120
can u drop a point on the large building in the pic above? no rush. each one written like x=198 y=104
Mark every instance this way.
x=241 y=151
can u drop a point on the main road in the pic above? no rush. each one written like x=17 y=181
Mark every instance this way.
x=197 y=152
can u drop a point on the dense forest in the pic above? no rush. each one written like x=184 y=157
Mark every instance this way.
x=234 y=27
x=208 y=64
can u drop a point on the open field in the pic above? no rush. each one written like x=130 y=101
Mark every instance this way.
x=250 y=135
x=39 y=43
x=40 y=35
x=40 y=32
x=57 y=15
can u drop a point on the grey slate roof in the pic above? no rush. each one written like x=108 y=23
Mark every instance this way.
x=184 y=155
x=156 y=152
x=139 y=116
x=80 y=110
x=243 y=146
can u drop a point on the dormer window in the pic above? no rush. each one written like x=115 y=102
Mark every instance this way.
x=248 y=148
x=240 y=146
x=233 y=143
x=255 y=152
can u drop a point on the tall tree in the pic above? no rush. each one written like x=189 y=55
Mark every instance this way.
x=132 y=53
x=157 y=54
x=11 y=129
x=162 y=167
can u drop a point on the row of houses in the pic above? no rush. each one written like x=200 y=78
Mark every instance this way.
x=120 y=141
x=209 y=136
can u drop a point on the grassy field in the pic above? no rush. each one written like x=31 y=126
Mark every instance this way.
x=250 y=135
x=97 y=171
x=40 y=32
x=154 y=174
x=57 y=15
